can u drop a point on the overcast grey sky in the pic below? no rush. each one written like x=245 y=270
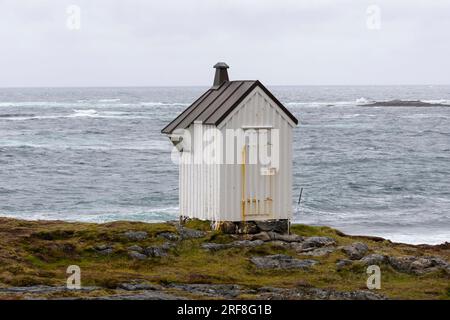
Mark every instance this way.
x=281 y=42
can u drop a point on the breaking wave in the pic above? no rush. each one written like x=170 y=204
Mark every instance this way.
x=84 y=113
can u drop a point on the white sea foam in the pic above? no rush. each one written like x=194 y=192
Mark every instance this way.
x=84 y=113
x=102 y=103
x=416 y=238
x=349 y=116
x=162 y=104
x=149 y=215
x=109 y=100
x=362 y=101
x=440 y=101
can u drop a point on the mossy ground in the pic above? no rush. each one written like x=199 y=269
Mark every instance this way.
x=39 y=252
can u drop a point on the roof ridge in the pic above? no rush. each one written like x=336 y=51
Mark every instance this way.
x=241 y=98
x=215 y=109
x=217 y=103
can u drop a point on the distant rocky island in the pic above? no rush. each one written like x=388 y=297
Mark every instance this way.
x=405 y=103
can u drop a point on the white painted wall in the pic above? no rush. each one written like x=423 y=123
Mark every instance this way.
x=199 y=187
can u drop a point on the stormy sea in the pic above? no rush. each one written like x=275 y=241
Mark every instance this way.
x=366 y=166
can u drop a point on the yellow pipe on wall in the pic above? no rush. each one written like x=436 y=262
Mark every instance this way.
x=244 y=155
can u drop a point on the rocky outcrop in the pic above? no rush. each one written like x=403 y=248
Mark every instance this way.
x=140 y=295
x=307 y=293
x=281 y=261
x=273 y=236
x=278 y=226
x=285 y=237
x=135 y=248
x=314 y=246
x=319 y=252
x=41 y=289
x=136 y=255
x=178 y=291
x=186 y=233
x=263 y=236
x=342 y=263
x=356 y=250
x=254 y=227
x=228 y=291
x=235 y=244
x=418 y=265
x=136 y=235
x=169 y=236
x=312 y=243
x=158 y=251
x=138 y=286
x=407 y=264
x=104 y=249
x=374 y=259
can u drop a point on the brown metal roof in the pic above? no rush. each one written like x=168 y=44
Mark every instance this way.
x=216 y=104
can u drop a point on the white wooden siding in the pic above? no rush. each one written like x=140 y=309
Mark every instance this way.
x=199 y=188
x=214 y=192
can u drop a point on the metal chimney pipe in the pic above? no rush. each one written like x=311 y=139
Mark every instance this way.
x=221 y=75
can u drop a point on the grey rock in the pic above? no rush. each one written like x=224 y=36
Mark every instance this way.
x=342 y=263
x=135 y=248
x=359 y=295
x=228 y=291
x=282 y=244
x=136 y=235
x=187 y=233
x=319 y=252
x=246 y=243
x=168 y=245
x=278 y=226
x=41 y=289
x=136 y=255
x=307 y=293
x=264 y=236
x=374 y=259
x=214 y=246
x=102 y=247
x=142 y=295
x=285 y=237
x=235 y=244
x=169 y=236
x=138 y=286
x=106 y=252
x=356 y=250
x=418 y=265
x=281 y=261
x=311 y=243
x=155 y=252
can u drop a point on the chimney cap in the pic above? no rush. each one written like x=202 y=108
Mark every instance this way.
x=221 y=65
x=221 y=75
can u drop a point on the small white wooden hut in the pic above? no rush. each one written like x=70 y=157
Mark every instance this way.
x=235 y=153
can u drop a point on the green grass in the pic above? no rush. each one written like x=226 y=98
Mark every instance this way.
x=39 y=252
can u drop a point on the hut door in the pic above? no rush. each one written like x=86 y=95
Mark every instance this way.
x=257 y=178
